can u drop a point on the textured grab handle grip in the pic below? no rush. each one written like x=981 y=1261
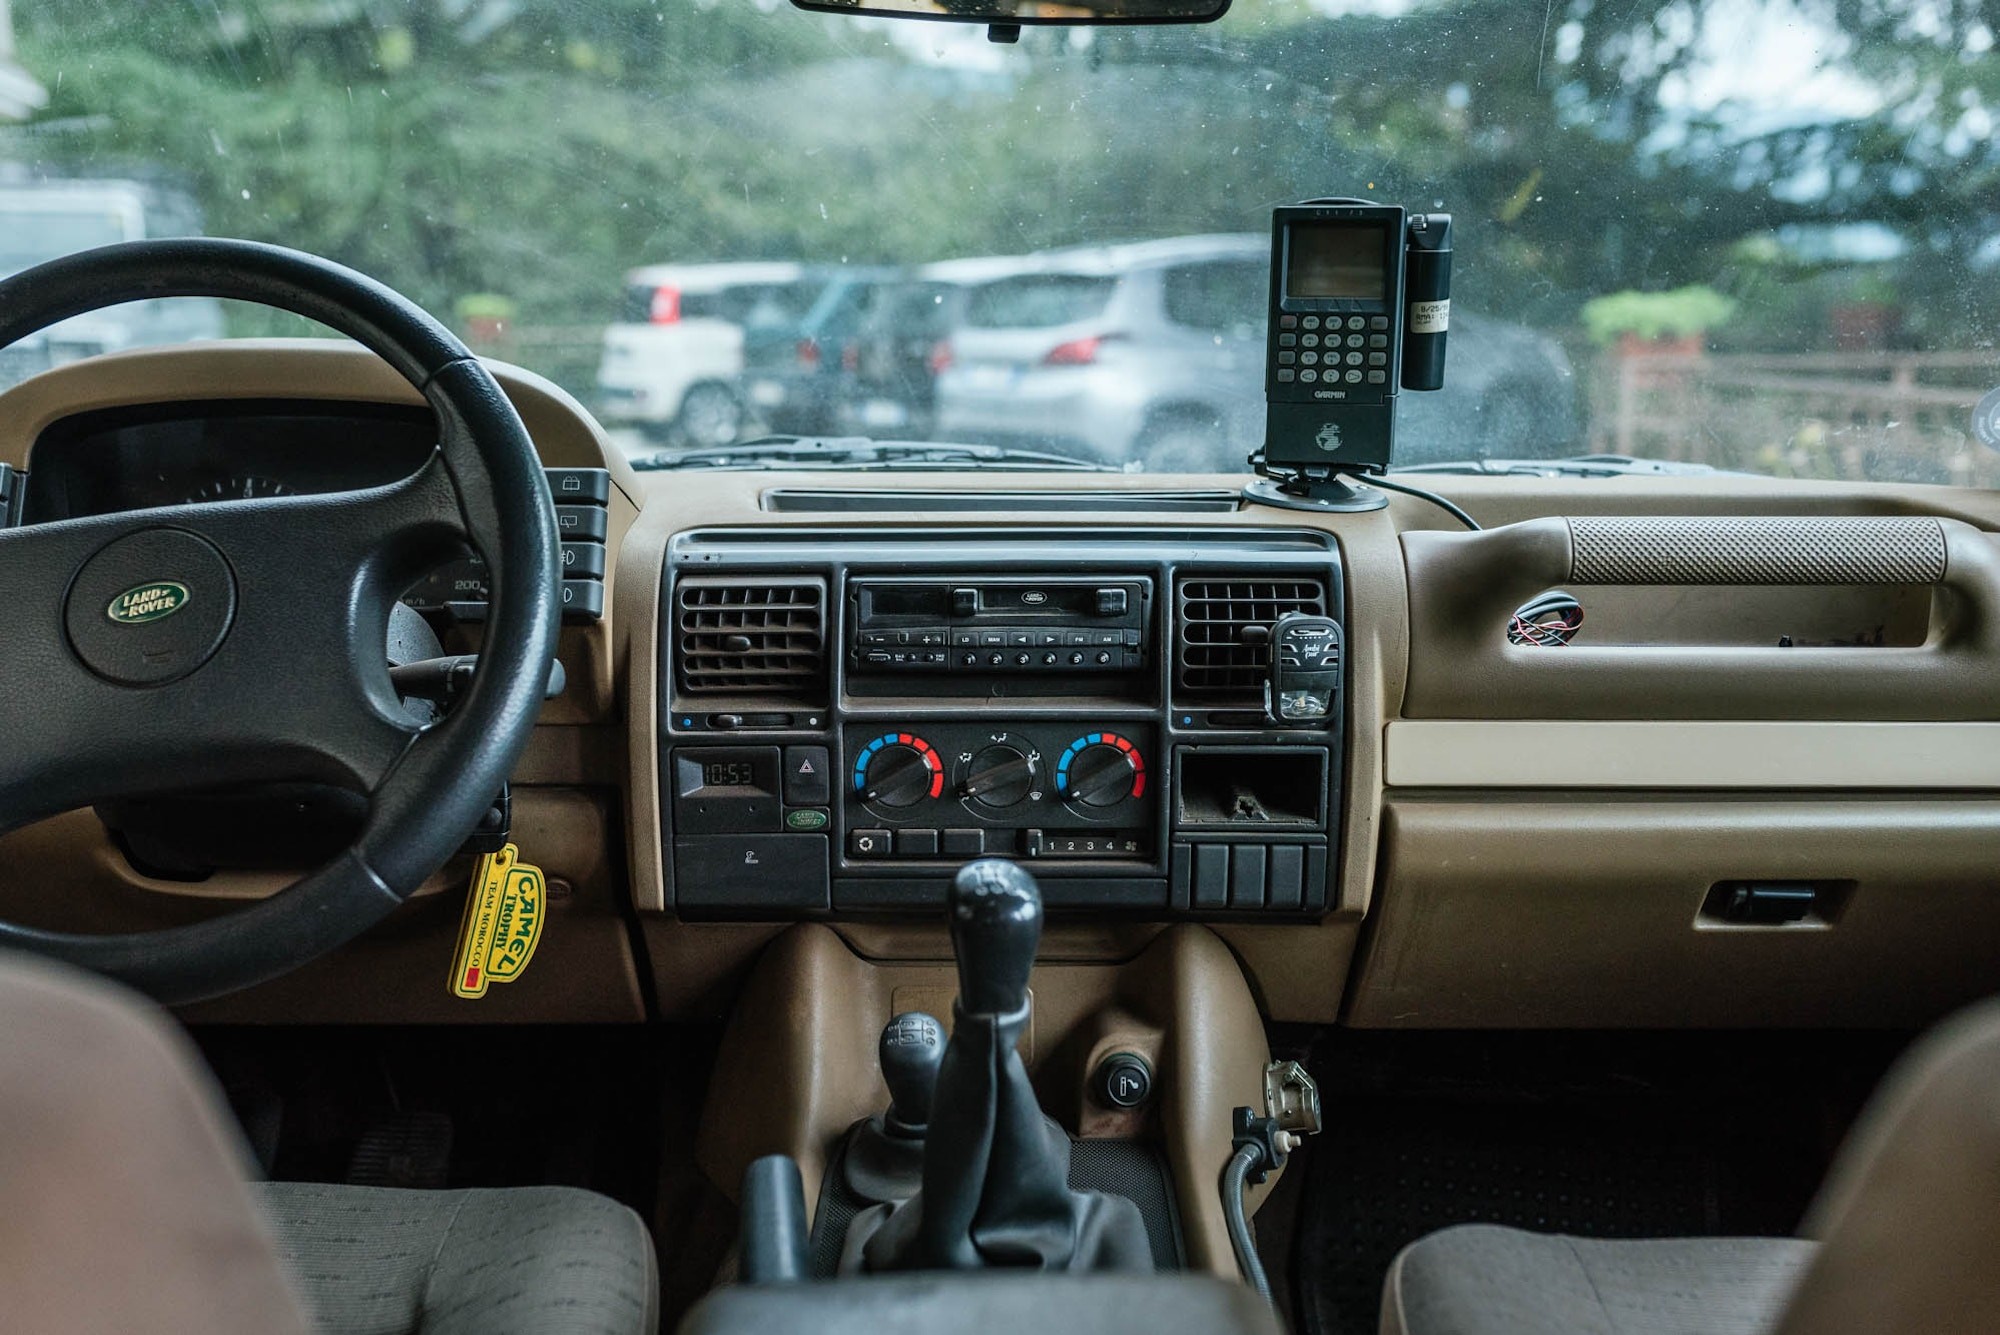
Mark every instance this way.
x=1757 y=550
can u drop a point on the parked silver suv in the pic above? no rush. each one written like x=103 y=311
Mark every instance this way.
x=1154 y=351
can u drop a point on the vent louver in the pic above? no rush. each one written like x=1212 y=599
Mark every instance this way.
x=752 y=637
x=1222 y=629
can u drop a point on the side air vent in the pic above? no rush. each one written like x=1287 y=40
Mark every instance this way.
x=1223 y=629
x=751 y=637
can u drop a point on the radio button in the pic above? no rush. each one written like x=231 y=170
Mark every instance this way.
x=1288 y=359
x=881 y=656
x=964 y=602
x=968 y=660
x=1378 y=359
x=1378 y=322
x=1378 y=377
x=1356 y=322
x=1020 y=639
x=1103 y=656
x=1044 y=638
x=1076 y=658
x=995 y=660
x=961 y=639
x=1311 y=322
x=1353 y=377
x=1354 y=359
x=1309 y=341
x=929 y=637
x=1076 y=637
x=1022 y=660
x=1285 y=377
x=1288 y=340
x=1288 y=321
x=1051 y=659
x=1308 y=376
x=1355 y=340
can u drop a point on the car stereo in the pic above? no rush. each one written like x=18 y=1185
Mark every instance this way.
x=974 y=627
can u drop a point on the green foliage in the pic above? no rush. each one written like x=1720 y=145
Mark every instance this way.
x=535 y=149
x=1681 y=313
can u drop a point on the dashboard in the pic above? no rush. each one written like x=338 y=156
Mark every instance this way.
x=805 y=697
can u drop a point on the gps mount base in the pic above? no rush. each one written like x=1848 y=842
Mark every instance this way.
x=1314 y=487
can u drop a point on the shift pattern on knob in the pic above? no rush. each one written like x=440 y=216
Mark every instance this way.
x=911 y=1049
x=996 y=924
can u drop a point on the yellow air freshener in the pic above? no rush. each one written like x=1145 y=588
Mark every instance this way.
x=503 y=921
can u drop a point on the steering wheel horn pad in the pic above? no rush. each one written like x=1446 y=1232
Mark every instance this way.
x=242 y=641
x=150 y=607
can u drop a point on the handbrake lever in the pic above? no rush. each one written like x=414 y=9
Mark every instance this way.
x=440 y=680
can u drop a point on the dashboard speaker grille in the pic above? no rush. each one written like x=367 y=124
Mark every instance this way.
x=745 y=637
x=1222 y=640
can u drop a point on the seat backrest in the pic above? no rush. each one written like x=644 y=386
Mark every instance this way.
x=126 y=1207
x=1909 y=1219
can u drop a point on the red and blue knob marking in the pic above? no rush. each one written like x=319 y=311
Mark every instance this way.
x=911 y=740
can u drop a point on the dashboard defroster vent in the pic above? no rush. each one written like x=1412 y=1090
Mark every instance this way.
x=1223 y=626
x=736 y=636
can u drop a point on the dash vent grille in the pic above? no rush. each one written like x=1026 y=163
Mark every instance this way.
x=751 y=637
x=1221 y=640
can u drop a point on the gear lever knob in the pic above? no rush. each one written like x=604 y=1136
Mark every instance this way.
x=996 y=923
x=912 y=1047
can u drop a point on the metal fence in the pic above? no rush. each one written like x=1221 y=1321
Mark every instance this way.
x=1901 y=416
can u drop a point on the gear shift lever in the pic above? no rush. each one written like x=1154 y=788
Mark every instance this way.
x=996 y=923
x=995 y=1169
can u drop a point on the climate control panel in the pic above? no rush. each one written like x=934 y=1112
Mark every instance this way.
x=1036 y=789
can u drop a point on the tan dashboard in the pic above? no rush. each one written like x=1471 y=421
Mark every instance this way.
x=1780 y=684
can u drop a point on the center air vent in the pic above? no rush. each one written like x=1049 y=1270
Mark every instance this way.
x=1223 y=629
x=751 y=637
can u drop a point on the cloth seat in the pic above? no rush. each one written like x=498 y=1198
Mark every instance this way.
x=382 y=1261
x=1481 y=1279
x=128 y=1208
x=1906 y=1229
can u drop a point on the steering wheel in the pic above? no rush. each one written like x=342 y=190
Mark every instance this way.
x=243 y=642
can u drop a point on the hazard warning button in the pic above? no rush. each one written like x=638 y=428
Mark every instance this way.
x=806 y=777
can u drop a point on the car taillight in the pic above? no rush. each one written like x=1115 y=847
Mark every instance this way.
x=940 y=359
x=808 y=353
x=1076 y=352
x=666 y=306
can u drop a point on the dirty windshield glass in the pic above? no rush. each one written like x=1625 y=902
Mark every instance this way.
x=1758 y=235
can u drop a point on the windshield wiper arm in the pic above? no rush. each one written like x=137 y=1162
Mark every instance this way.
x=769 y=452
x=1575 y=465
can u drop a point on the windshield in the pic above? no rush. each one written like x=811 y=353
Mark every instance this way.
x=29 y=235
x=1757 y=235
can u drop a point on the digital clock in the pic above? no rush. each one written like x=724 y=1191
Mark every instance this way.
x=729 y=774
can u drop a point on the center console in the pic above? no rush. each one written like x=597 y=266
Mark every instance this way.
x=850 y=714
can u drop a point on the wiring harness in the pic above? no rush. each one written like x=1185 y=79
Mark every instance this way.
x=1547 y=622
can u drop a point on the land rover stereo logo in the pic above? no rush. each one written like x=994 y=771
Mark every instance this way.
x=148 y=602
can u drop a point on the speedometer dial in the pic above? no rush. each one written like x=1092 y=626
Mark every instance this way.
x=236 y=487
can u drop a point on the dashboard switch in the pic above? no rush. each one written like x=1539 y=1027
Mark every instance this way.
x=583 y=560
x=917 y=843
x=1111 y=602
x=808 y=776
x=580 y=486
x=964 y=843
x=582 y=523
x=868 y=843
x=582 y=600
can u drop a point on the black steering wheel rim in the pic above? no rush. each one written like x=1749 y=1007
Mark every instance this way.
x=432 y=793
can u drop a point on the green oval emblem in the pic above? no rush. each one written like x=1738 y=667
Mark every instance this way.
x=148 y=602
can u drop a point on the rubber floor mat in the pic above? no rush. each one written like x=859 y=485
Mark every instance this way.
x=1629 y=1137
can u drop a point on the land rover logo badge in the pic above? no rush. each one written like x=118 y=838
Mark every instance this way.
x=148 y=602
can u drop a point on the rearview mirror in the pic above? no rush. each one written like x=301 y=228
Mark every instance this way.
x=1004 y=14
